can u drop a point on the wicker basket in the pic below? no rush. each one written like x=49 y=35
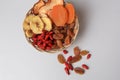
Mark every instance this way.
x=76 y=29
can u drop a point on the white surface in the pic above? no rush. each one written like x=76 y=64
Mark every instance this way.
x=100 y=35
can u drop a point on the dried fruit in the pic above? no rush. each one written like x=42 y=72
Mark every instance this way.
x=48 y=23
x=65 y=51
x=76 y=51
x=67 y=40
x=58 y=36
x=70 y=67
x=59 y=15
x=43 y=41
x=85 y=66
x=69 y=58
x=79 y=70
x=88 y=56
x=59 y=43
x=70 y=33
x=49 y=5
x=76 y=58
x=29 y=33
x=37 y=6
x=61 y=59
x=36 y=24
x=71 y=12
x=84 y=52
x=67 y=70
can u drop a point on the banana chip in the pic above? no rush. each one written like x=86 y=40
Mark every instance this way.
x=27 y=21
x=29 y=33
x=48 y=23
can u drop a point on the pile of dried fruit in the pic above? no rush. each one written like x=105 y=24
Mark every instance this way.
x=78 y=54
x=53 y=16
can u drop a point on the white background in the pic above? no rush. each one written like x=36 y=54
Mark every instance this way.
x=100 y=34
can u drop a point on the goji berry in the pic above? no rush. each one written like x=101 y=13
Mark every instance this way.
x=48 y=48
x=46 y=37
x=69 y=58
x=70 y=67
x=67 y=71
x=67 y=65
x=51 y=37
x=88 y=56
x=65 y=51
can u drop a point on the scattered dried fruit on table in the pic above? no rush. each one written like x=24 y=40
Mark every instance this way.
x=88 y=56
x=84 y=52
x=79 y=70
x=61 y=59
x=76 y=51
x=85 y=66
x=76 y=59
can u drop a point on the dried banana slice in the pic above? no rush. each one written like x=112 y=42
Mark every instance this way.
x=27 y=21
x=37 y=25
x=48 y=23
x=29 y=33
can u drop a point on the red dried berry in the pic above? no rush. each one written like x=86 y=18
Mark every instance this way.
x=67 y=71
x=69 y=58
x=65 y=51
x=50 y=33
x=51 y=37
x=46 y=37
x=44 y=44
x=67 y=65
x=88 y=56
x=41 y=47
x=70 y=67
x=50 y=45
x=85 y=66
x=48 y=48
